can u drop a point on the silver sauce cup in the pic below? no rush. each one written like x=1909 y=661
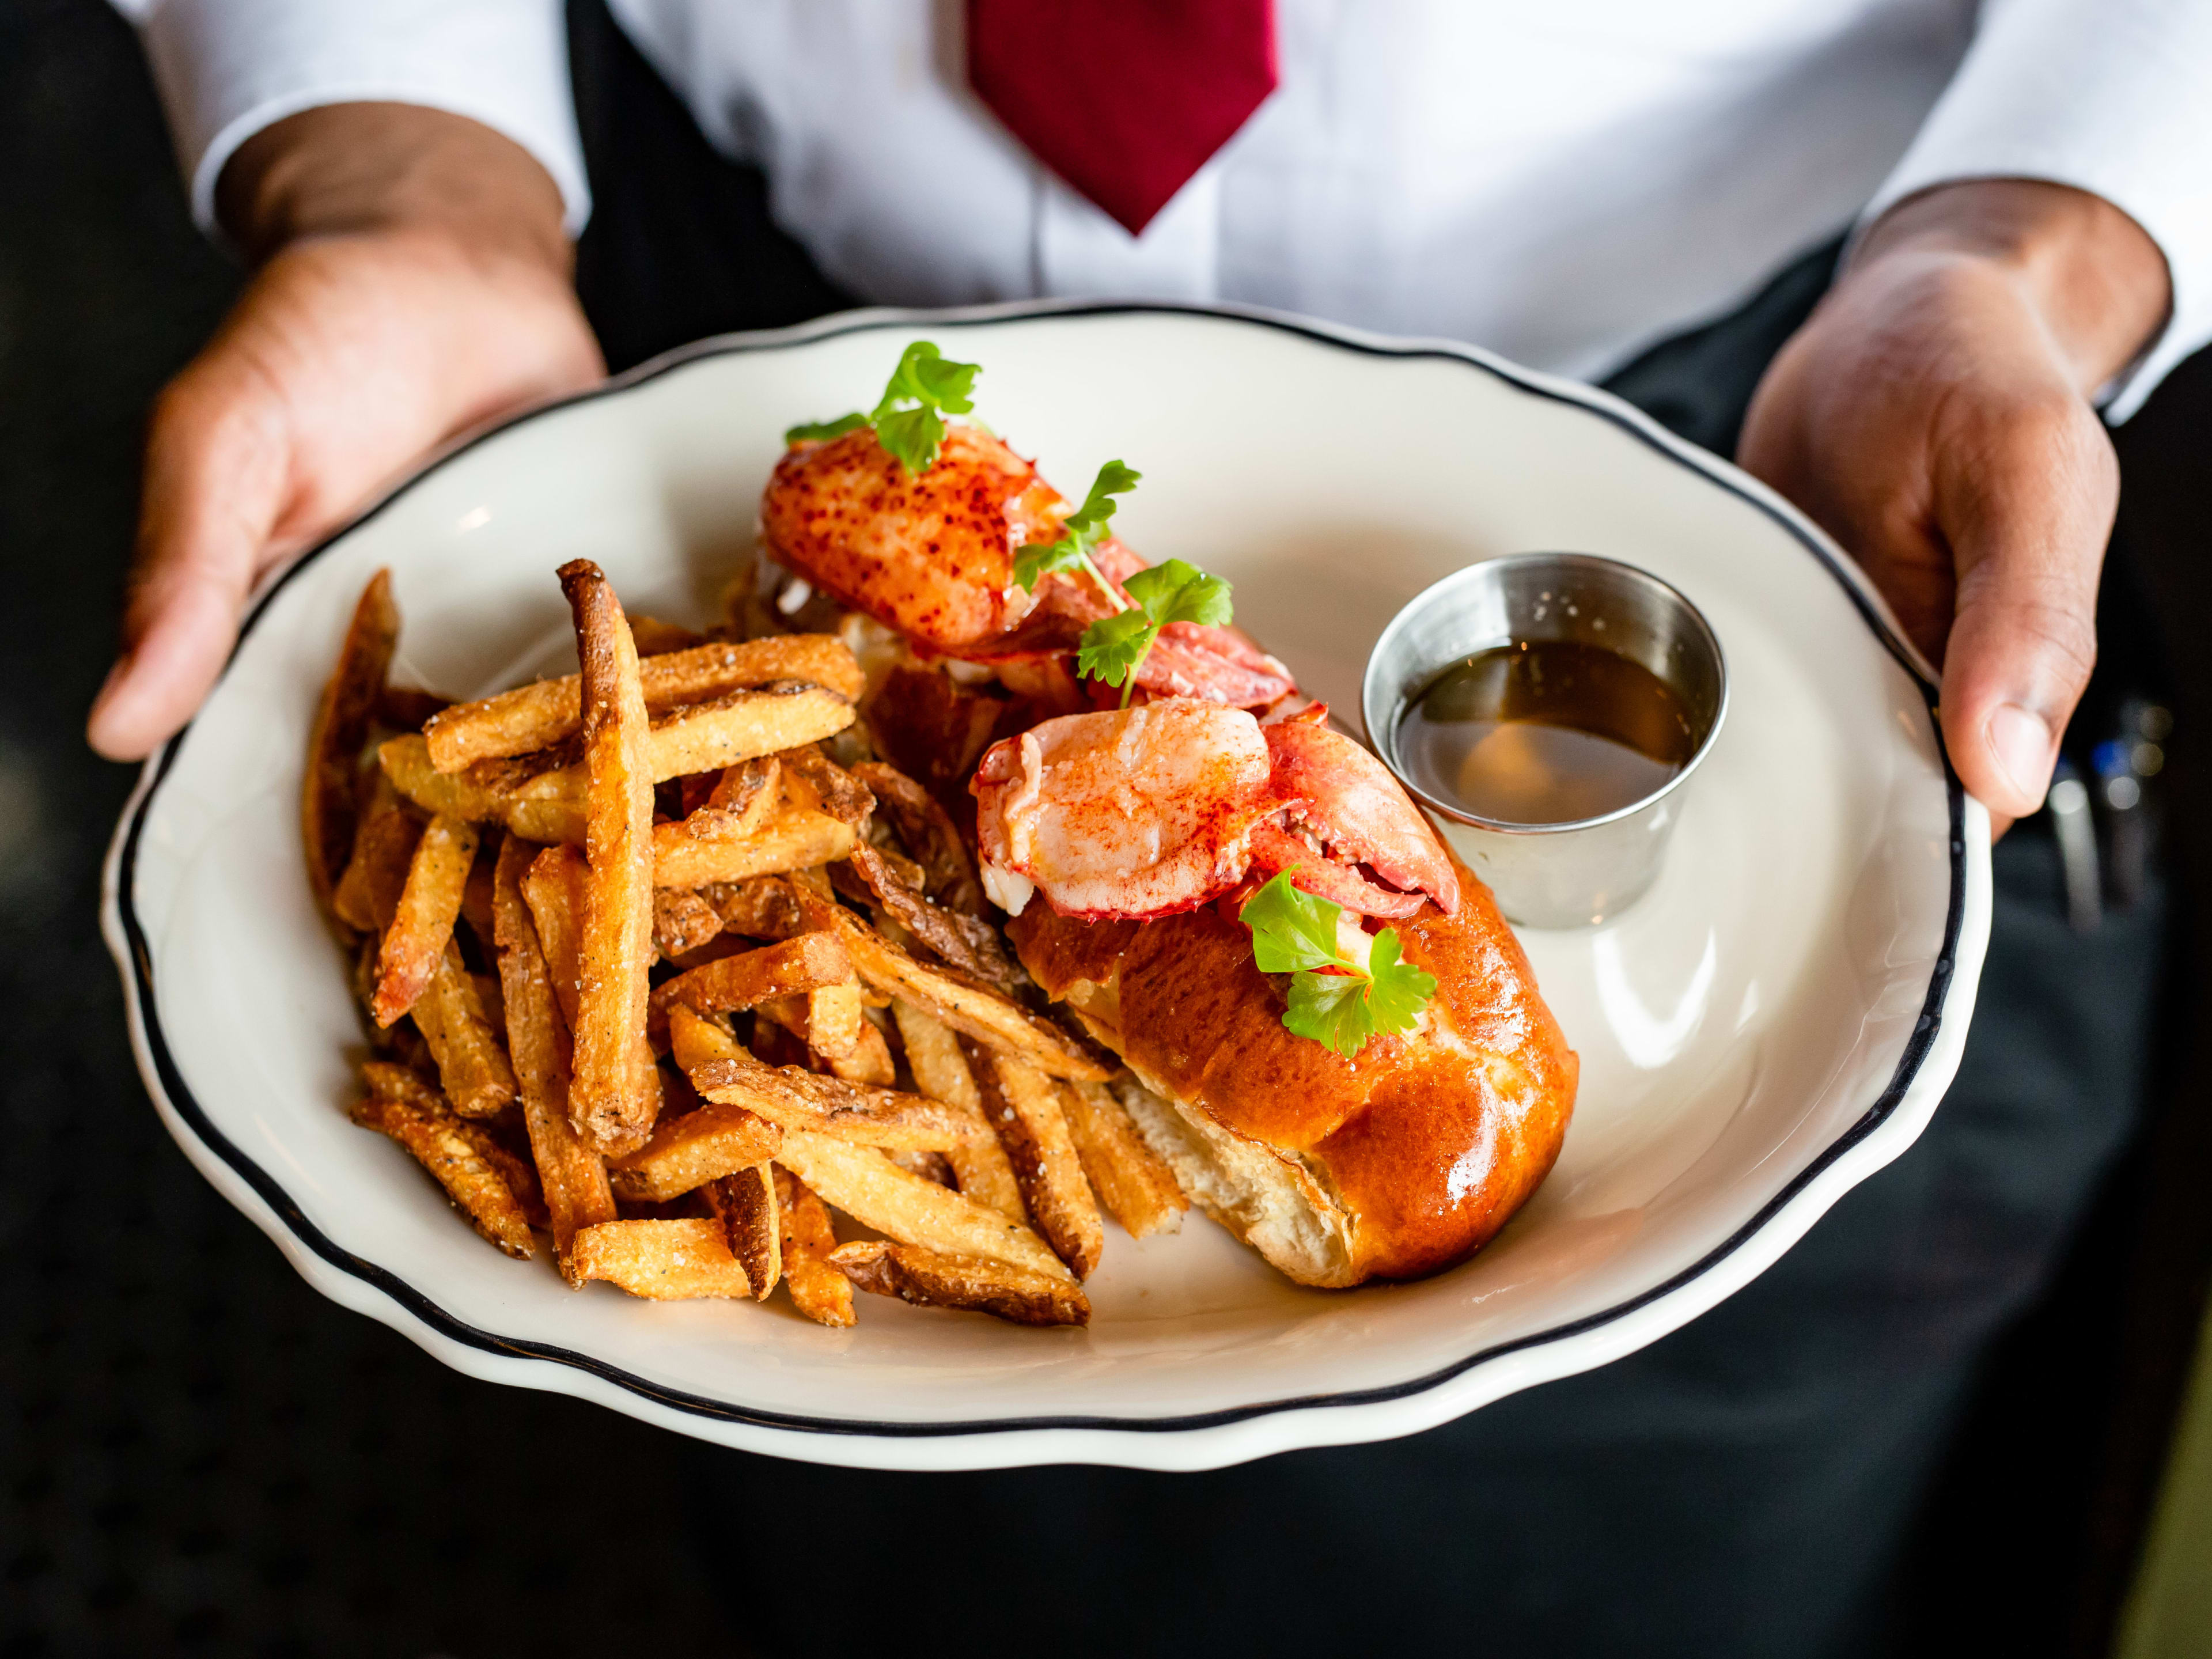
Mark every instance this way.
x=1553 y=875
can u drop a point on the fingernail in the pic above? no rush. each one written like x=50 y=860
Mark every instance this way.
x=2021 y=742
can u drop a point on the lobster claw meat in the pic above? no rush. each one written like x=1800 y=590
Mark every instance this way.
x=932 y=558
x=1147 y=812
x=1347 y=798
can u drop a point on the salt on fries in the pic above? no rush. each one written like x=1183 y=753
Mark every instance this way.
x=662 y=966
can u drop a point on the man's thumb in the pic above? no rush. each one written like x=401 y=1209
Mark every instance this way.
x=2024 y=637
x=215 y=469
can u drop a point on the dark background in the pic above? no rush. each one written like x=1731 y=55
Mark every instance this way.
x=199 y=1453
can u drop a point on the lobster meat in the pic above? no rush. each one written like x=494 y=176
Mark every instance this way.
x=1147 y=812
x=933 y=559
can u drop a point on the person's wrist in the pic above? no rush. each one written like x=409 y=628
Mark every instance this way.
x=2095 y=277
x=371 y=168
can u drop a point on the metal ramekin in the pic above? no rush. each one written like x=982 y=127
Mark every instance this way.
x=1553 y=875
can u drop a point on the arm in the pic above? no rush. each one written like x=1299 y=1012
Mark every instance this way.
x=1933 y=415
x=416 y=283
x=405 y=176
x=2047 y=241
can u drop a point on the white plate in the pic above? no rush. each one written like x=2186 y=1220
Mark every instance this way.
x=1773 y=1022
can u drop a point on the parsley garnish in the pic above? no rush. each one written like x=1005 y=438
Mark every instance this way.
x=1080 y=531
x=820 y=432
x=1114 y=646
x=1295 y=934
x=909 y=420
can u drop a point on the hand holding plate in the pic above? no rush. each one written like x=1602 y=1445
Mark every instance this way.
x=1935 y=416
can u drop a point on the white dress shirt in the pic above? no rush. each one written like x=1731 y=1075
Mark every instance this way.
x=1563 y=181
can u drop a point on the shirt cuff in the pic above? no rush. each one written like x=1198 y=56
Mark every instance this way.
x=229 y=68
x=2113 y=97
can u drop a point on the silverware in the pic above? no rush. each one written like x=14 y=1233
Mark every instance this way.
x=2070 y=825
x=1568 y=874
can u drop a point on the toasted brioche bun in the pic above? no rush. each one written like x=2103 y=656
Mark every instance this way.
x=1393 y=1165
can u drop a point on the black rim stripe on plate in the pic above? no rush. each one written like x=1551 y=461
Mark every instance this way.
x=447 y=1325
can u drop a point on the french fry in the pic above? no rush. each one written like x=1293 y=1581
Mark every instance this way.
x=869 y=1059
x=791 y=838
x=811 y=778
x=577 y=1194
x=940 y=1071
x=340 y=731
x=735 y=804
x=403 y=1042
x=514 y=1167
x=688 y=1151
x=929 y=834
x=995 y=1021
x=401 y=1085
x=759 y=907
x=612 y=1095
x=406 y=760
x=745 y=980
x=743 y=796
x=683 y=922
x=545 y=806
x=933 y=1054
x=818 y=1289
x=798 y=1099
x=743 y=1201
x=389 y=1080
x=875 y=1192
x=542 y=796
x=929 y=1278
x=695 y=1040
x=828 y=1019
x=930 y=1166
x=553 y=887
x=894 y=863
x=422 y=922
x=1024 y=1106
x=383 y=846
x=533 y=717
x=1132 y=1181
x=555 y=776
x=738 y=726
x=656 y=638
x=453 y=1152
x=968 y=943
x=662 y=1261
x=472 y=1067
x=835 y=1021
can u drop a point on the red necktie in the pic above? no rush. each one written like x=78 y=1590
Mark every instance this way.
x=1123 y=99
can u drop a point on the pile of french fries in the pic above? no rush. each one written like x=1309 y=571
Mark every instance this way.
x=661 y=962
